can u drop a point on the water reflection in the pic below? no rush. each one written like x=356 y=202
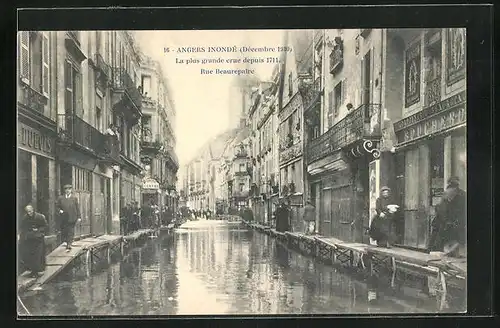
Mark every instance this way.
x=217 y=269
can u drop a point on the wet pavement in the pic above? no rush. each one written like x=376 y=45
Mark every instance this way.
x=209 y=267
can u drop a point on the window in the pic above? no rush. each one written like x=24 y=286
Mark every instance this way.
x=34 y=57
x=99 y=106
x=146 y=84
x=337 y=98
x=73 y=89
x=290 y=85
x=242 y=187
x=242 y=167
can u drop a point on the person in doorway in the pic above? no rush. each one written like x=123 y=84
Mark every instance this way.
x=309 y=218
x=69 y=214
x=282 y=217
x=248 y=215
x=33 y=229
x=382 y=227
x=448 y=227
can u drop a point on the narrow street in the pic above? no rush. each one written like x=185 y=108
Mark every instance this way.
x=214 y=267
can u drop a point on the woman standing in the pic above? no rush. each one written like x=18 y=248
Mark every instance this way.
x=33 y=229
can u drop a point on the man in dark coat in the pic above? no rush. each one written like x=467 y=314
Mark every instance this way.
x=33 y=229
x=68 y=213
x=382 y=227
x=449 y=225
x=282 y=217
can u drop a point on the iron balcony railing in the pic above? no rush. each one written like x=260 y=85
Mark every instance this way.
x=74 y=130
x=310 y=92
x=336 y=58
x=363 y=122
x=123 y=81
x=32 y=99
x=102 y=65
x=148 y=141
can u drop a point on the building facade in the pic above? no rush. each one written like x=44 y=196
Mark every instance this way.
x=387 y=109
x=79 y=123
x=297 y=68
x=158 y=137
x=263 y=118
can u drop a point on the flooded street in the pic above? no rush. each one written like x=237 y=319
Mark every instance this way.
x=210 y=267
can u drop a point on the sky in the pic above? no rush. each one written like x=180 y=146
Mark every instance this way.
x=202 y=101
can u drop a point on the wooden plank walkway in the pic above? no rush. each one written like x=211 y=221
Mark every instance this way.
x=59 y=259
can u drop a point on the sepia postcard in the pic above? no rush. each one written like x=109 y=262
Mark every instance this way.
x=241 y=172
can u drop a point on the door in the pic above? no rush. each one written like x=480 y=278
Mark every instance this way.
x=341 y=216
x=326 y=223
x=316 y=197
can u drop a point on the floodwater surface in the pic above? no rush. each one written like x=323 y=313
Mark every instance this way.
x=214 y=268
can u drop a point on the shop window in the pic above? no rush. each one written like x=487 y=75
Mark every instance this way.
x=459 y=158
x=437 y=170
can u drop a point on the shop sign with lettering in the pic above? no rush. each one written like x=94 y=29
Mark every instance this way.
x=33 y=140
x=435 y=124
x=424 y=114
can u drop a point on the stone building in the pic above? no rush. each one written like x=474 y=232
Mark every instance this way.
x=158 y=136
x=297 y=68
x=263 y=119
x=72 y=85
x=384 y=113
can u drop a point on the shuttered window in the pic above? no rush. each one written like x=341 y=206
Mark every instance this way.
x=330 y=108
x=73 y=101
x=34 y=60
x=24 y=56
x=68 y=83
x=45 y=64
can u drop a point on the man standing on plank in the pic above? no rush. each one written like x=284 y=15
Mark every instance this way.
x=68 y=212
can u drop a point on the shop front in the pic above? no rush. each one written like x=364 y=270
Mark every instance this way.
x=36 y=170
x=431 y=147
x=92 y=185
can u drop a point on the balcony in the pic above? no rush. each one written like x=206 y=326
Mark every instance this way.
x=75 y=131
x=130 y=99
x=336 y=56
x=72 y=42
x=311 y=93
x=241 y=173
x=240 y=194
x=433 y=91
x=362 y=123
x=148 y=104
x=150 y=145
x=172 y=156
x=104 y=70
x=32 y=99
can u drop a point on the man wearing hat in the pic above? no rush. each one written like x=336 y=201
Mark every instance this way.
x=449 y=225
x=68 y=213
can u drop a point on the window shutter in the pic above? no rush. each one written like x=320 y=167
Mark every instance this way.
x=24 y=64
x=330 y=108
x=45 y=64
x=78 y=93
x=344 y=90
x=68 y=82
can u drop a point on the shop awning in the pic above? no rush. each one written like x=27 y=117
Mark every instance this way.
x=333 y=162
